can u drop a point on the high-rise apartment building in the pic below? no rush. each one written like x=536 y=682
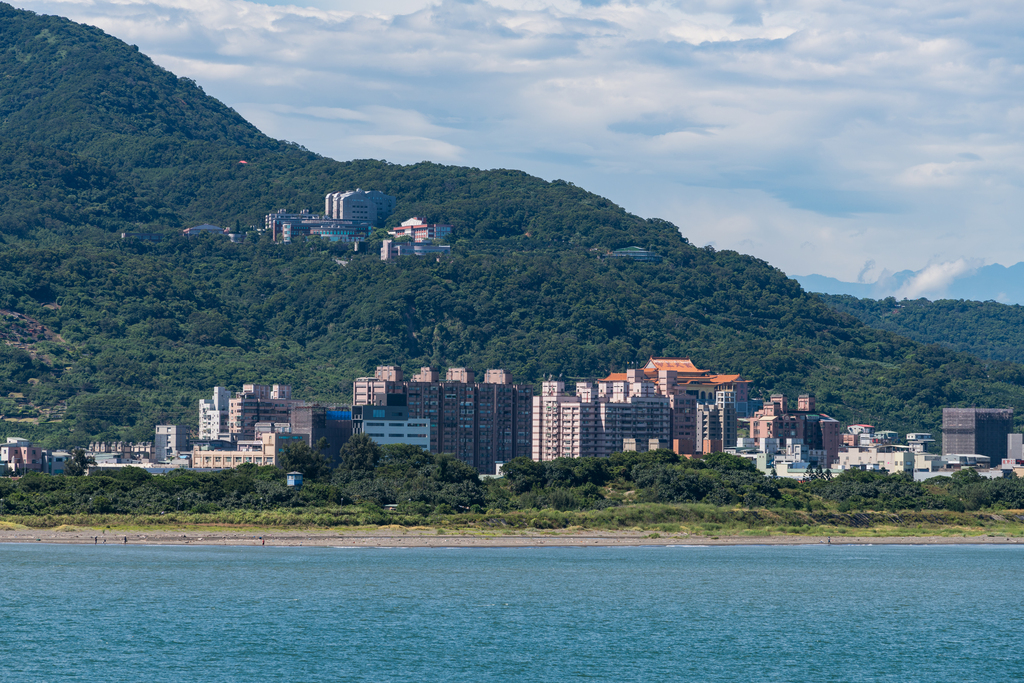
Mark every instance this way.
x=777 y=424
x=372 y=206
x=213 y=416
x=716 y=423
x=600 y=419
x=258 y=403
x=978 y=431
x=481 y=423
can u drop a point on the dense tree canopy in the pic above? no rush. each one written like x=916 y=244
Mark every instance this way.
x=422 y=484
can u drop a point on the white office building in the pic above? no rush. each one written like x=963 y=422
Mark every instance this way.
x=372 y=206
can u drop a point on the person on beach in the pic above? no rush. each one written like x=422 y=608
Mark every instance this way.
x=126 y=540
x=95 y=540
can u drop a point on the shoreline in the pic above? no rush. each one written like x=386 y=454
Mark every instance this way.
x=388 y=538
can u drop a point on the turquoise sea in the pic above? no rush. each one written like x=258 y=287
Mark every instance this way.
x=804 y=613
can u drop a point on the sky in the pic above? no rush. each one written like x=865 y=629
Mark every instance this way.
x=848 y=138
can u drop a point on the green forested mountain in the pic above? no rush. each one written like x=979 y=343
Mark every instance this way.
x=96 y=140
x=987 y=329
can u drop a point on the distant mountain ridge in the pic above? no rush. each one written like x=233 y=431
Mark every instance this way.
x=1004 y=284
x=987 y=329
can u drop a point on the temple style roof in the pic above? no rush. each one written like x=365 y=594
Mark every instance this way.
x=680 y=365
x=686 y=372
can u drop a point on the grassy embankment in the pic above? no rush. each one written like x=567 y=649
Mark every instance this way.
x=704 y=520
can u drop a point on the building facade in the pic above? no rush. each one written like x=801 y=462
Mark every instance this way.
x=779 y=424
x=20 y=456
x=332 y=423
x=420 y=231
x=261 y=451
x=387 y=421
x=258 y=403
x=213 y=416
x=169 y=441
x=480 y=423
x=683 y=377
x=391 y=250
x=600 y=419
x=980 y=431
x=285 y=227
x=716 y=424
x=371 y=206
x=890 y=458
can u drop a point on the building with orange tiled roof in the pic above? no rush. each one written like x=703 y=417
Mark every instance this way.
x=702 y=384
x=600 y=419
x=701 y=405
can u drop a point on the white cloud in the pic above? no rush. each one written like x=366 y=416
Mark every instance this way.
x=933 y=281
x=817 y=134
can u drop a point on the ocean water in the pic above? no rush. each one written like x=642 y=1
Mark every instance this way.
x=804 y=613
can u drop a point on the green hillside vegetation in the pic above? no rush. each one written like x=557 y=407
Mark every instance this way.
x=987 y=329
x=97 y=140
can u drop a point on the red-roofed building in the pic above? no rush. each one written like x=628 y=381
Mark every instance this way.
x=420 y=231
x=702 y=411
x=702 y=384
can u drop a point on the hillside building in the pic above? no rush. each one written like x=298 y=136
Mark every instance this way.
x=420 y=231
x=287 y=227
x=636 y=253
x=391 y=250
x=683 y=377
x=371 y=206
x=481 y=423
x=205 y=229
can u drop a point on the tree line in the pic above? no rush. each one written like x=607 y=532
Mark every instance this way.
x=421 y=484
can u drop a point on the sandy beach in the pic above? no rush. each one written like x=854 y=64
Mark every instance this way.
x=422 y=538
